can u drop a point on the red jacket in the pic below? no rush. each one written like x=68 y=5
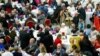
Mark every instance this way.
x=47 y=22
x=97 y=22
x=97 y=44
x=57 y=41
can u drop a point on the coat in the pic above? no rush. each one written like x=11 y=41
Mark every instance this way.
x=97 y=22
x=82 y=13
x=76 y=20
x=24 y=39
x=17 y=54
x=31 y=49
x=57 y=41
x=86 y=46
x=47 y=40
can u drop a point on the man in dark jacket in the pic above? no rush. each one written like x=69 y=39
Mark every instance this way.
x=47 y=40
x=24 y=38
x=86 y=47
x=82 y=12
x=76 y=19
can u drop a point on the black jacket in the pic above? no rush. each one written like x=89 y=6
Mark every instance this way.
x=24 y=38
x=82 y=13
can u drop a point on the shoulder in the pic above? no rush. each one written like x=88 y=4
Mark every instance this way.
x=40 y=54
x=7 y=54
x=48 y=54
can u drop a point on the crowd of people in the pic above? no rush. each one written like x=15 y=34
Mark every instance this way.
x=39 y=27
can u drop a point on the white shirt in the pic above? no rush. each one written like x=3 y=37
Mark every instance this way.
x=58 y=2
x=50 y=10
x=7 y=53
x=65 y=29
x=46 y=54
x=24 y=53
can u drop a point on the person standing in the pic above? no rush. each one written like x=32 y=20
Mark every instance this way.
x=47 y=40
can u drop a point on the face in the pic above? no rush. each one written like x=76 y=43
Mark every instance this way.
x=81 y=37
x=41 y=45
x=17 y=22
x=31 y=41
x=59 y=46
x=73 y=25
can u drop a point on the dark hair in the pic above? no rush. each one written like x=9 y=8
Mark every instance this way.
x=7 y=47
x=74 y=31
x=93 y=28
x=6 y=32
x=81 y=31
x=65 y=54
x=88 y=26
x=97 y=5
x=59 y=35
x=98 y=37
x=46 y=32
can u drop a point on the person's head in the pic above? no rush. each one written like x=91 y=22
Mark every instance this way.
x=80 y=18
x=41 y=45
x=79 y=4
x=98 y=6
x=7 y=47
x=6 y=32
x=59 y=36
x=14 y=12
x=98 y=37
x=1 y=40
x=63 y=24
x=81 y=33
x=17 y=22
x=74 y=31
x=73 y=25
x=93 y=28
x=32 y=41
x=46 y=32
x=88 y=26
x=59 y=46
x=89 y=1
